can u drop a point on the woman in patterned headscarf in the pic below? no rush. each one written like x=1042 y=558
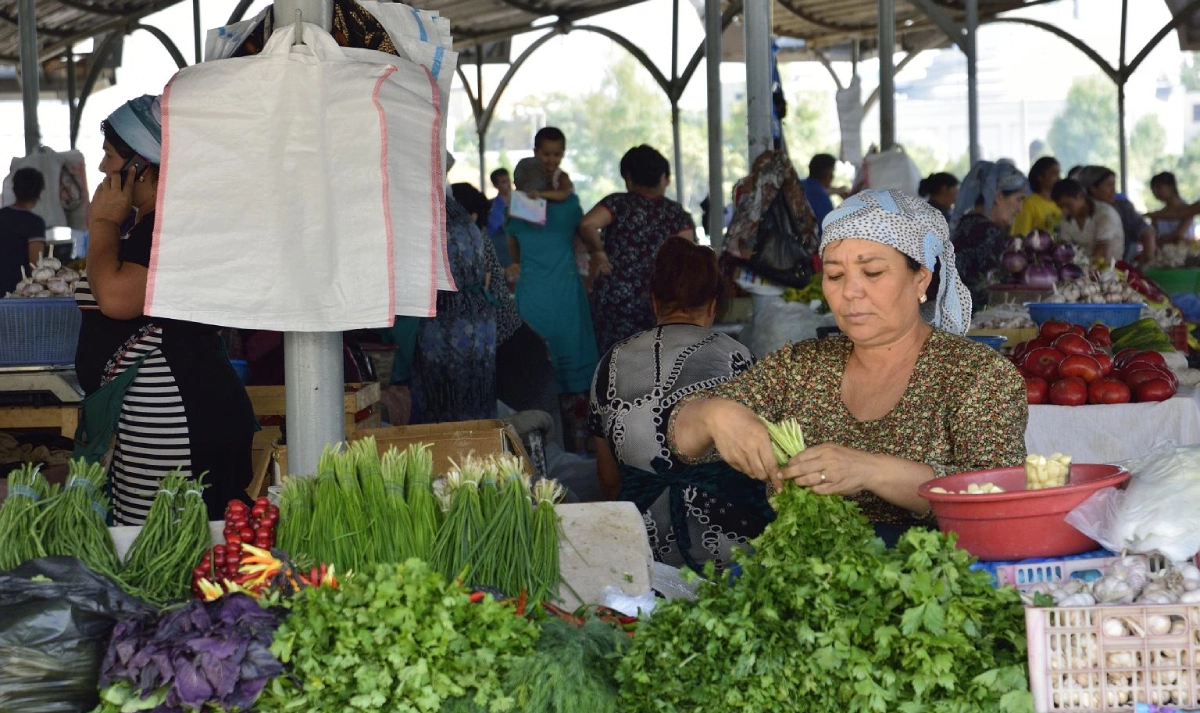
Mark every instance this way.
x=988 y=203
x=163 y=388
x=902 y=398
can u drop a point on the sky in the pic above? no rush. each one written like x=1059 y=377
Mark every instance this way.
x=579 y=60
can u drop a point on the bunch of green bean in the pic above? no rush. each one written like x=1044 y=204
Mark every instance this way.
x=159 y=564
x=73 y=523
x=27 y=494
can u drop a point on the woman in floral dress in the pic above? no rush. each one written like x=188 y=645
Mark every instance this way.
x=634 y=224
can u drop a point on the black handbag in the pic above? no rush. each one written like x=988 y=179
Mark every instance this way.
x=782 y=254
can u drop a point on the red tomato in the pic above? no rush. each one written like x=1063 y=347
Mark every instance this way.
x=1069 y=391
x=1100 y=335
x=1105 y=361
x=1078 y=329
x=1085 y=367
x=1136 y=377
x=1038 y=342
x=1153 y=358
x=1043 y=362
x=1123 y=356
x=1054 y=328
x=1037 y=391
x=1108 y=391
x=1155 y=390
x=1073 y=344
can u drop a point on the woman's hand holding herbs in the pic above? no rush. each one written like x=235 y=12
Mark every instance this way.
x=830 y=469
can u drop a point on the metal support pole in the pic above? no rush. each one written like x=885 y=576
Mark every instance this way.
x=716 y=170
x=1122 y=78
x=758 y=76
x=887 y=74
x=71 y=91
x=673 y=95
x=973 y=81
x=480 y=126
x=312 y=361
x=30 y=87
x=196 y=29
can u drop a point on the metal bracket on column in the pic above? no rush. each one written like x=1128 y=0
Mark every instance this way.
x=945 y=22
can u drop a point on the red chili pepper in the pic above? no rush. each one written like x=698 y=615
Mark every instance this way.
x=477 y=597
x=521 y=604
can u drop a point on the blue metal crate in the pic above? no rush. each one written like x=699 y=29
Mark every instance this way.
x=39 y=331
x=1114 y=315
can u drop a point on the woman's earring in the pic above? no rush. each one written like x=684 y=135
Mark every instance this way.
x=923 y=299
x=142 y=179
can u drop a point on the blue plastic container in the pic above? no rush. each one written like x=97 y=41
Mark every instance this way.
x=1112 y=315
x=38 y=331
x=242 y=368
x=994 y=341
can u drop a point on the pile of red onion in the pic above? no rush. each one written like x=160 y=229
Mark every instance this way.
x=1037 y=261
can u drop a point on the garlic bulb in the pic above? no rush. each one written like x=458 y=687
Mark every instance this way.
x=41 y=274
x=1110 y=589
x=68 y=274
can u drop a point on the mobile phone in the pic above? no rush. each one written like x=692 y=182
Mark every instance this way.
x=137 y=163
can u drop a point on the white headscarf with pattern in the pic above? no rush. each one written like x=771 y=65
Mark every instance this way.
x=918 y=230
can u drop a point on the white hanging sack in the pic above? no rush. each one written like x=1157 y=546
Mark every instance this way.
x=278 y=186
x=892 y=170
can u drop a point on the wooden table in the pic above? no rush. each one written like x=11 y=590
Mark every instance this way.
x=64 y=417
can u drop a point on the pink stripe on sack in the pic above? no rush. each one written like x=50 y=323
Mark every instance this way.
x=387 y=190
x=152 y=270
x=438 y=194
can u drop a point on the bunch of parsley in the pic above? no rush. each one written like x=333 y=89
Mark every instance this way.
x=825 y=617
x=396 y=638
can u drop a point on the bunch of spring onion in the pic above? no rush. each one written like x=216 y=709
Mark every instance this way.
x=158 y=567
x=73 y=523
x=422 y=504
x=462 y=528
x=27 y=493
x=547 y=533
x=787 y=439
x=502 y=557
x=394 y=524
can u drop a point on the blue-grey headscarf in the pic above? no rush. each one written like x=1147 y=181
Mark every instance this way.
x=139 y=123
x=984 y=179
x=918 y=230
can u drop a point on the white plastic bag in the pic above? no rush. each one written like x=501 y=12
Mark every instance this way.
x=777 y=322
x=892 y=170
x=291 y=182
x=1159 y=511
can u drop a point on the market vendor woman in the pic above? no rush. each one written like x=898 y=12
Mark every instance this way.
x=899 y=400
x=164 y=388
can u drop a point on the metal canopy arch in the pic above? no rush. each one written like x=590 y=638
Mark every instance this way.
x=1121 y=73
x=673 y=87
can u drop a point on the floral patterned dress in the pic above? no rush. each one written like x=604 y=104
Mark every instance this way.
x=621 y=300
x=978 y=246
x=964 y=408
x=454 y=367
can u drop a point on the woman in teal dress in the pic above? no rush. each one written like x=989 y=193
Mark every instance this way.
x=551 y=298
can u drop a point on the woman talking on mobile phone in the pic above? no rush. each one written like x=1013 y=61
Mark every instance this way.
x=163 y=388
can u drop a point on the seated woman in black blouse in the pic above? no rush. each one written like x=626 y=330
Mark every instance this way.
x=164 y=388
x=693 y=513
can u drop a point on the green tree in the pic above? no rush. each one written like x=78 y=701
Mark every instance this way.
x=1086 y=130
x=1147 y=147
x=1189 y=73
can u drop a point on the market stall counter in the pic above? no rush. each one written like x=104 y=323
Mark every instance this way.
x=1116 y=432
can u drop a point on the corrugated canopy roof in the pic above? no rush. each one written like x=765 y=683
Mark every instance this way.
x=821 y=23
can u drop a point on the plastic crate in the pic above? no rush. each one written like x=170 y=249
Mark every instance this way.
x=38 y=331
x=1023 y=575
x=1113 y=315
x=1074 y=666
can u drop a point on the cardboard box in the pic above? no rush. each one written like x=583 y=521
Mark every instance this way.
x=448 y=441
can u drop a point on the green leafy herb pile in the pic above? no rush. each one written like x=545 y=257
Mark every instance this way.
x=395 y=637
x=572 y=670
x=824 y=614
x=484 y=519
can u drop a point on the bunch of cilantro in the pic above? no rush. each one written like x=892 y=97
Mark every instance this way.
x=826 y=618
x=397 y=638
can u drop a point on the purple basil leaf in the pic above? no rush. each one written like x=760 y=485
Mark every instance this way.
x=149 y=678
x=263 y=661
x=245 y=694
x=194 y=689
x=219 y=647
x=223 y=675
x=162 y=661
